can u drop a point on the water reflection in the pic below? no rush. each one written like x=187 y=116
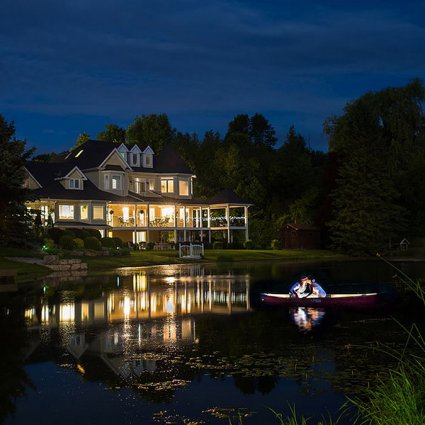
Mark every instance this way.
x=139 y=297
x=306 y=318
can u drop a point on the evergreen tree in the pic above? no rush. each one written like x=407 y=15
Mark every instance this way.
x=82 y=138
x=14 y=218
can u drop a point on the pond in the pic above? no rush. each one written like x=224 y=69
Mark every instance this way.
x=192 y=344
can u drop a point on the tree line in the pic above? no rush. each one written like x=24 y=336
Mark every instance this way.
x=367 y=191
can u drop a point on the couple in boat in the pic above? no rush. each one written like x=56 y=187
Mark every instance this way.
x=307 y=287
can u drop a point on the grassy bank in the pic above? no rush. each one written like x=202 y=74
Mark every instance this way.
x=28 y=272
x=25 y=272
x=147 y=258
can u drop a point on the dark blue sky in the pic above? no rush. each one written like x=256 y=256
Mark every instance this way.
x=73 y=66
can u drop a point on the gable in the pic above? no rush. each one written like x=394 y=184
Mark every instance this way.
x=31 y=182
x=114 y=158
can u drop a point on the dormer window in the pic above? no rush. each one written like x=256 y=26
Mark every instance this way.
x=148 y=161
x=75 y=184
x=148 y=157
x=134 y=159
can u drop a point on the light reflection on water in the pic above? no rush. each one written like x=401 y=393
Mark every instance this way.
x=172 y=332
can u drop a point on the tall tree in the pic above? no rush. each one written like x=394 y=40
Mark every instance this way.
x=385 y=129
x=14 y=219
x=154 y=130
x=112 y=133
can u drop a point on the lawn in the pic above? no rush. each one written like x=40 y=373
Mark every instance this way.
x=146 y=258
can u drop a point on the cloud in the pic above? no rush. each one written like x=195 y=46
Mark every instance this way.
x=198 y=60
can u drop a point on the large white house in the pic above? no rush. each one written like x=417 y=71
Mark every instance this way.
x=131 y=193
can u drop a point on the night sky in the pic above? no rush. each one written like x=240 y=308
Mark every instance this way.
x=72 y=66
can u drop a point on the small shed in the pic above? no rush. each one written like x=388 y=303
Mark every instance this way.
x=301 y=236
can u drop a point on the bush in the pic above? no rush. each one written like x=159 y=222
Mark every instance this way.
x=248 y=244
x=69 y=232
x=118 y=242
x=55 y=233
x=94 y=233
x=48 y=244
x=149 y=246
x=124 y=251
x=92 y=243
x=275 y=244
x=81 y=233
x=218 y=245
x=66 y=242
x=78 y=243
x=108 y=242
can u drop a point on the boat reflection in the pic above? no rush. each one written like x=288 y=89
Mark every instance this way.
x=306 y=318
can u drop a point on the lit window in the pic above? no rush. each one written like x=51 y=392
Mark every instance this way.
x=151 y=184
x=167 y=185
x=84 y=212
x=98 y=212
x=66 y=212
x=140 y=186
x=116 y=182
x=184 y=187
x=74 y=183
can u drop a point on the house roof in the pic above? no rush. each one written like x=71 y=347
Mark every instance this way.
x=93 y=152
x=228 y=196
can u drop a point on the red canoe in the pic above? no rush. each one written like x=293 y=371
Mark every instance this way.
x=331 y=300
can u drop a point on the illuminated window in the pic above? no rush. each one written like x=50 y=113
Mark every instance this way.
x=74 y=183
x=167 y=212
x=140 y=186
x=66 y=212
x=184 y=187
x=116 y=182
x=151 y=184
x=84 y=212
x=98 y=212
x=167 y=185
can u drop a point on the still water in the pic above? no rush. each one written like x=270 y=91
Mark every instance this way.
x=192 y=344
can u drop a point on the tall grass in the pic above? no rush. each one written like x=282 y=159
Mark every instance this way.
x=400 y=399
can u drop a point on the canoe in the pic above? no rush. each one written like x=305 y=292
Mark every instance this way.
x=331 y=300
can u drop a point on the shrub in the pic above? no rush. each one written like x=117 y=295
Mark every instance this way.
x=69 y=232
x=218 y=245
x=149 y=246
x=66 y=242
x=108 y=242
x=81 y=233
x=94 y=233
x=248 y=244
x=92 y=243
x=48 y=244
x=78 y=243
x=275 y=244
x=55 y=233
x=118 y=242
x=124 y=251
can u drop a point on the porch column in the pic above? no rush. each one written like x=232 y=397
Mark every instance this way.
x=209 y=218
x=135 y=216
x=148 y=218
x=246 y=223
x=184 y=223
x=228 y=223
x=175 y=224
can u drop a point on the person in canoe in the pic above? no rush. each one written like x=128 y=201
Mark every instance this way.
x=307 y=287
